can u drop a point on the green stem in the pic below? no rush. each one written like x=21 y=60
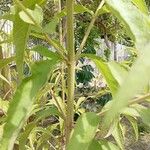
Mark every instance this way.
x=61 y=42
x=89 y=29
x=71 y=69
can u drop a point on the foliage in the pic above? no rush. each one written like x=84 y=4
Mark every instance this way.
x=45 y=111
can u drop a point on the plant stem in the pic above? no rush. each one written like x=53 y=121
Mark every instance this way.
x=61 y=42
x=58 y=105
x=139 y=99
x=89 y=29
x=71 y=69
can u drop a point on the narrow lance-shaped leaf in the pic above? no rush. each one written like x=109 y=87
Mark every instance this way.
x=4 y=79
x=36 y=14
x=134 y=124
x=84 y=131
x=77 y=9
x=5 y=61
x=24 y=136
x=118 y=135
x=20 y=35
x=105 y=71
x=21 y=105
x=112 y=72
x=46 y=52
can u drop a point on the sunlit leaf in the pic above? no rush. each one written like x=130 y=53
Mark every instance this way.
x=45 y=52
x=24 y=136
x=141 y=4
x=102 y=145
x=36 y=15
x=145 y=116
x=20 y=36
x=105 y=71
x=118 y=135
x=130 y=111
x=4 y=105
x=51 y=110
x=84 y=132
x=4 y=79
x=103 y=10
x=21 y=105
x=138 y=24
x=81 y=9
x=77 y=10
x=134 y=124
x=51 y=26
x=118 y=71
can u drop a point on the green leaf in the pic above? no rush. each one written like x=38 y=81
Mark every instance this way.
x=103 y=10
x=36 y=14
x=94 y=145
x=4 y=105
x=51 y=110
x=7 y=16
x=135 y=81
x=51 y=26
x=136 y=24
x=84 y=131
x=4 y=79
x=21 y=105
x=118 y=71
x=130 y=111
x=24 y=136
x=81 y=9
x=118 y=135
x=45 y=52
x=141 y=4
x=105 y=71
x=5 y=61
x=20 y=36
x=102 y=145
x=145 y=116
x=133 y=122
x=77 y=9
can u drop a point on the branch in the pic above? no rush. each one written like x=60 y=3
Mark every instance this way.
x=58 y=105
x=89 y=29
